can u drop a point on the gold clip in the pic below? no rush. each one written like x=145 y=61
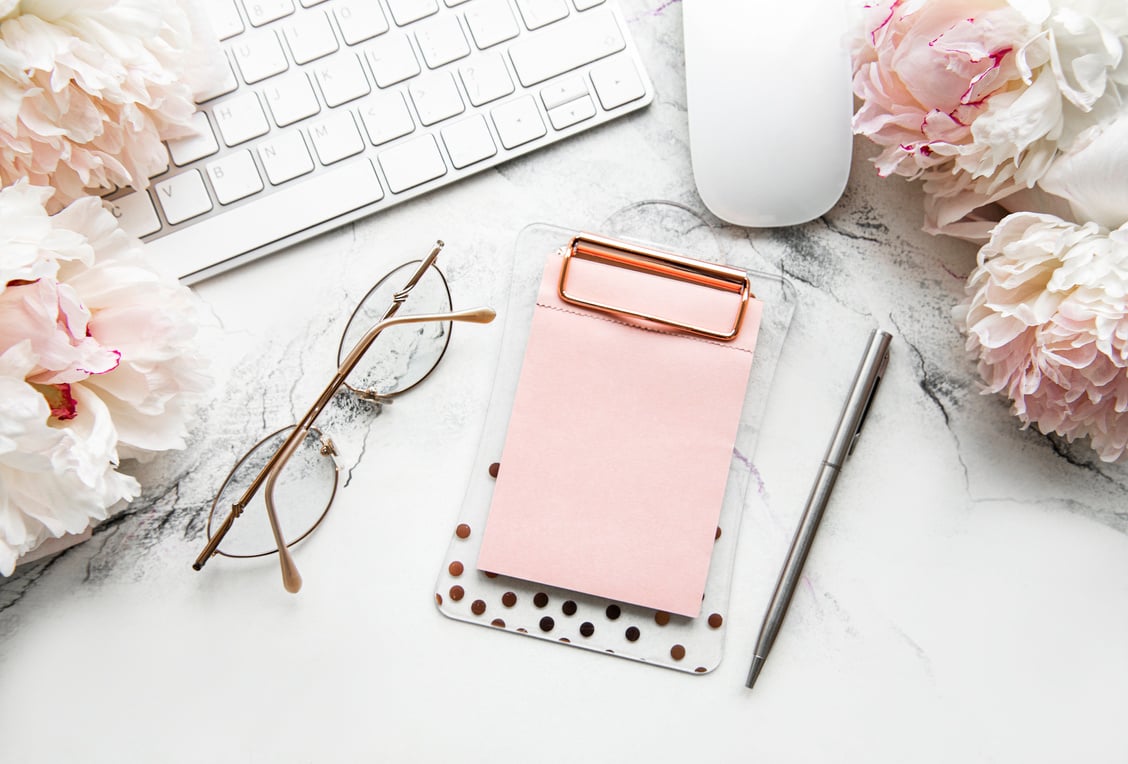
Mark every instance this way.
x=595 y=248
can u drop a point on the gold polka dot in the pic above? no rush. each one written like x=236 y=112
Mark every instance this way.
x=498 y=623
x=494 y=469
x=462 y=531
x=523 y=631
x=489 y=575
x=701 y=669
x=677 y=652
x=455 y=568
x=509 y=599
x=438 y=598
x=718 y=534
x=661 y=618
x=715 y=620
x=477 y=607
x=457 y=592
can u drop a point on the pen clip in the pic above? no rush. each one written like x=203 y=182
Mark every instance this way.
x=880 y=374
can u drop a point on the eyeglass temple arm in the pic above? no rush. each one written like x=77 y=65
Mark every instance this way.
x=269 y=472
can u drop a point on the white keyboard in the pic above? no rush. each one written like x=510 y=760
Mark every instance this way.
x=335 y=109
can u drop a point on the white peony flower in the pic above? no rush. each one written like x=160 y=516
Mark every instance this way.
x=98 y=360
x=1092 y=179
x=89 y=88
x=1047 y=319
x=978 y=97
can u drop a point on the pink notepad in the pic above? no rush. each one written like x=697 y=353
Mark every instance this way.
x=620 y=440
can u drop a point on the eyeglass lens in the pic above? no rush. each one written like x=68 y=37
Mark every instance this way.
x=402 y=356
x=302 y=496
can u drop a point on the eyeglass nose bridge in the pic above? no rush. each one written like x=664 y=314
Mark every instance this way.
x=370 y=395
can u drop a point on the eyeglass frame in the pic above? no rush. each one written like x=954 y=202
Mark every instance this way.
x=268 y=475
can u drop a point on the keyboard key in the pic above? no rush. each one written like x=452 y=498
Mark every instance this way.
x=583 y=5
x=311 y=38
x=261 y=12
x=234 y=177
x=223 y=86
x=240 y=118
x=135 y=213
x=260 y=57
x=342 y=80
x=565 y=46
x=224 y=17
x=468 y=141
x=563 y=91
x=336 y=137
x=291 y=98
x=392 y=59
x=539 y=13
x=518 y=122
x=311 y=3
x=571 y=113
x=486 y=79
x=411 y=163
x=617 y=82
x=386 y=118
x=285 y=157
x=407 y=11
x=359 y=21
x=185 y=150
x=441 y=40
x=183 y=196
x=491 y=22
x=453 y=3
x=436 y=98
x=161 y=170
x=267 y=219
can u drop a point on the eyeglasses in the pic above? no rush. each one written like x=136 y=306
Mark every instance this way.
x=288 y=479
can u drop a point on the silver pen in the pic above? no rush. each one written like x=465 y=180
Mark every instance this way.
x=857 y=405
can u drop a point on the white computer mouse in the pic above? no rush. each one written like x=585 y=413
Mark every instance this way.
x=769 y=100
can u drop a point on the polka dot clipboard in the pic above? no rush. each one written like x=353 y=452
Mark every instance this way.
x=463 y=592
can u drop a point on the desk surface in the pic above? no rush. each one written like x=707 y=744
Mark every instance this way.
x=966 y=600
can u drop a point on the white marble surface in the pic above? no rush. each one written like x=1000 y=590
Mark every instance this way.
x=966 y=600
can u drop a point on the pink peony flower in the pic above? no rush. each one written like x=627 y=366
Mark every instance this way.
x=978 y=97
x=98 y=361
x=1046 y=317
x=89 y=88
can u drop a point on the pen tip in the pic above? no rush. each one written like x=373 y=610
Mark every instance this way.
x=754 y=671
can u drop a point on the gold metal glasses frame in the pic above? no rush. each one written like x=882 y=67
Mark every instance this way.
x=267 y=478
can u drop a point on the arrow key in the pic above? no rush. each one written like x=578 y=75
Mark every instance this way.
x=518 y=121
x=617 y=82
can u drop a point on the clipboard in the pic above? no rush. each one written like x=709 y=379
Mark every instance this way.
x=616 y=455
x=610 y=624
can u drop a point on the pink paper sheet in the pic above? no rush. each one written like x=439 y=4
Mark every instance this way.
x=619 y=444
